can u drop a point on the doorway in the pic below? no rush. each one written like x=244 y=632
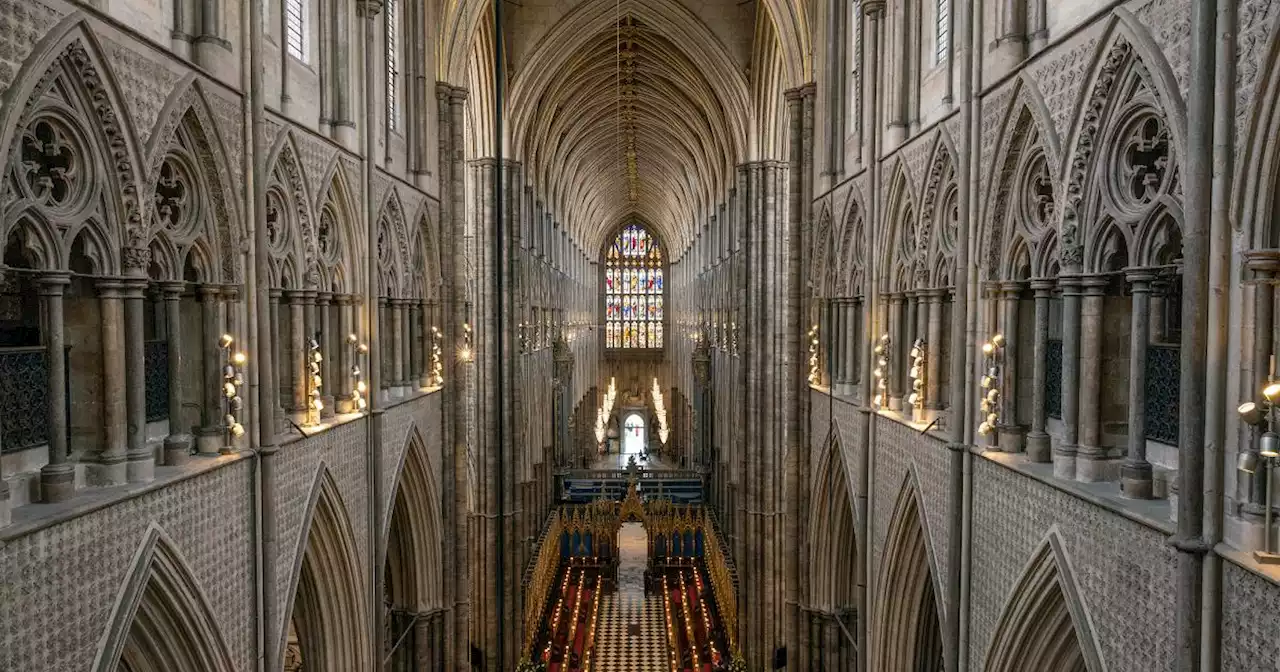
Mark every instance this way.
x=634 y=436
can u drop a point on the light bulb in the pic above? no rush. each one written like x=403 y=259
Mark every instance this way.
x=988 y=348
x=361 y=387
x=351 y=338
x=239 y=358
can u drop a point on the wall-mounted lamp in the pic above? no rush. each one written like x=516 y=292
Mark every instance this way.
x=881 y=371
x=232 y=380
x=314 y=382
x=358 y=386
x=993 y=351
x=1262 y=414
x=437 y=362
x=815 y=373
x=916 y=397
x=465 y=353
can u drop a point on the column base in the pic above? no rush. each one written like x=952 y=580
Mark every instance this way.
x=1011 y=439
x=1039 y=447
x=4 y=503
x=345 y=405
x=424 y=381
x=1093 y=464
x=57 y=483
x=329 y=406
x=1135 y=480
x=895 y=403
x=177 y=449
x=209 y=441
x=105 y=471
x=141 y=467
x=1064 y=462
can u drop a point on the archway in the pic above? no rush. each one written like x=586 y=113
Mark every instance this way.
x=635 y=435
x=328 y=610
x=908 y=627
x=1044 y=626
x=834 y=562
x=412 y=591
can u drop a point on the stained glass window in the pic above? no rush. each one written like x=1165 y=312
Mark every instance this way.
x=633 y=290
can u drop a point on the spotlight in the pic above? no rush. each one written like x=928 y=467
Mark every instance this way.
x=1250 y=413
x=1247 y=461
x=998 y=340
x=988 y=348
x=1269 y=445
x=225 y=341
x=1271 y=392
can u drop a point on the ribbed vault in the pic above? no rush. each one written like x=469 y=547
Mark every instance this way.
x=630 y=110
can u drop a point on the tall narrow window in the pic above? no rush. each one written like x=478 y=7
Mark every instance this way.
x=295 y=12
x=393 y=64
x=633 y=290
x=855 y=61
x=944 y=30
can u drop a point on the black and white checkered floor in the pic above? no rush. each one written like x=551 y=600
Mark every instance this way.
x=630 y=636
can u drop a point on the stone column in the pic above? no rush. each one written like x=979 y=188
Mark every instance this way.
x=422 y=332
x=280 y=381
x=406 y=337
x=1038 y=443
x=1135 y=473
x=1012 y=435
x=140 y=465
x=177 y=446
x=309 y=329
x=107 y=467
x=386 y=362
x=57 y=478
x=209 y=437
x=344 y=382
x=933 y=355
x=296 y=357
x=897 y=334
x=397 y=347
x=1064 y=454
x=330 y=345
x=1091 y=460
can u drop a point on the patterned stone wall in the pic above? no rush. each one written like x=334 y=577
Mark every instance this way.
x=1250 y=619
x=1123 y=570
x=902 y=450
x=60 y=585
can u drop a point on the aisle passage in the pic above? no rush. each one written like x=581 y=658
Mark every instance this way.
x=630 y=635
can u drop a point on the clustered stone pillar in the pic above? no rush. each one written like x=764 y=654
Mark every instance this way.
x=1135 y=474
x=140 y=464
x=1091 y=459
x=297 y=352
x=107 y=467
x=897 y=334
x=57 y=478
x=1038 y=442
x=280 y=359
x=177 y=445
x=397 y=346
x=1064 y=454
x=330 y=345
x=933 y=355
x=1012 y=435
x=344 y=383
x=852 y=336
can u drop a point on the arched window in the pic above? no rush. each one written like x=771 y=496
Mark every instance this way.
x=393 y=65
x=633 y=289
x=295 y=28
x=943 y=33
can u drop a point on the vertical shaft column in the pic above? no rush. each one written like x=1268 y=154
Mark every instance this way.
x=140 y=466
x=1135 y=474
x=177 y=445
x=57 y=478
x=1011 y=434
x=933 y=354
x=107 y=467
x=330 y=345
x=276 y=391
x=1090 y=461
x=1038 y=439
x=1064 y=455
x=297 y=352
x=397 y=346
x=209 y=437
x=897 y=334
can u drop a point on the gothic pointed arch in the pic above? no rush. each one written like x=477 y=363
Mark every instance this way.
x=189 y=183
x=412 y=534
x=853 y=245
x=897 y=247
x=907 y=631
x=70 y=152
x=1044 y=624
x=1127 y=138
x=835 y=551
x=393 y=245
x=339 y=245
x=291 y=240
x=327 y=606
x=162 y=621
x=823 y=254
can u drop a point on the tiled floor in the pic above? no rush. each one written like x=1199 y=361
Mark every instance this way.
x=631 y=634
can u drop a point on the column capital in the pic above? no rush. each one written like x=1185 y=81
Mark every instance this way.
x=275 y=293
x=109 y=288
x=208 y=291
x=1043 y=286
x=1094 y=285
x=53 y=282
x=896 y=297
x=172 y=289
x=343 y=299
x=1264 y=262
x=1140 y=278
x=873 y=8
x=136 y=261
x=231 y=292
x=134 y=287
x=294 y=295
x=324 y=298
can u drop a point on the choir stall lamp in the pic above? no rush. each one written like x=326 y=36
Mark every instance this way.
x=1262 y=414
x=916 y=397
x=232 y=381
x=881 y=371
x=359 y=389
x=314 y=382
x=993 y=351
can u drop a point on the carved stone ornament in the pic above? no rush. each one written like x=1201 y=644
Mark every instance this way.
x=136 y=260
